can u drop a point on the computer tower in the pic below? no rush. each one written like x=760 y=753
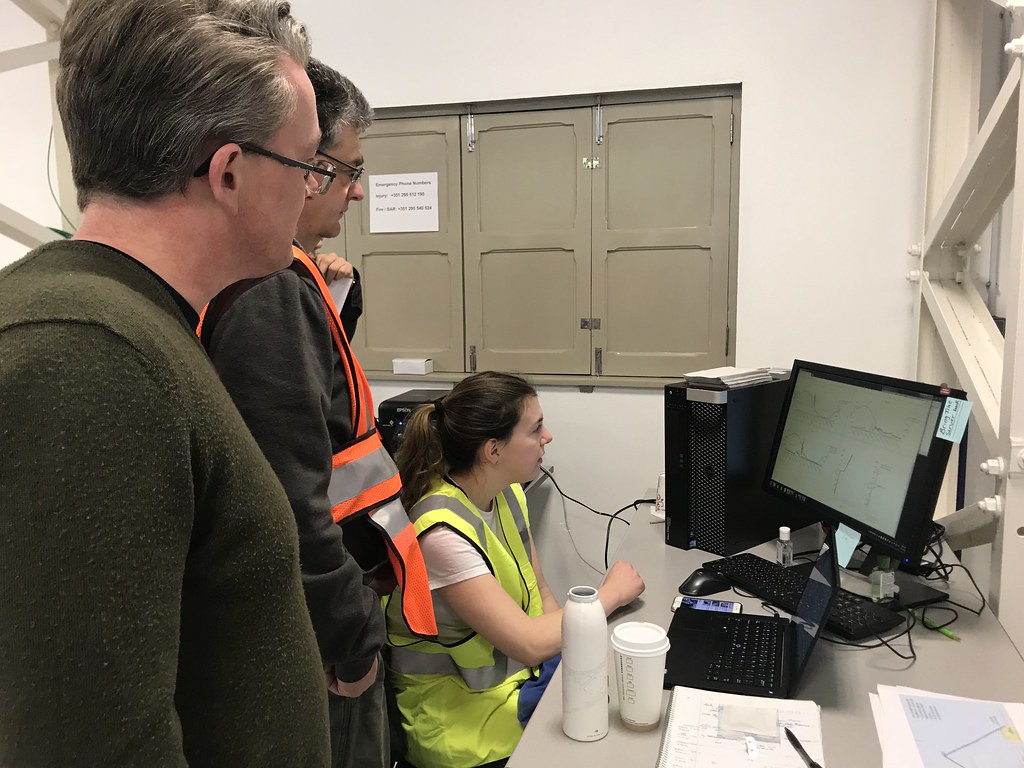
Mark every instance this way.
x=394 y=412
x=716 y=450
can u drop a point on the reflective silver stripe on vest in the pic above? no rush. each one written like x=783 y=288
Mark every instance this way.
x=520 y=517
x=391 y=517
x=370 y=470
x=468 y=515
x=457 y=506
x=410 y=662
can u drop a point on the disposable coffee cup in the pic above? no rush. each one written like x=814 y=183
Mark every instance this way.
x=639 y=650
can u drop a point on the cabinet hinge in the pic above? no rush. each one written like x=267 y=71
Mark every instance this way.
x=599 y=125
x=728 y=338
x=732 y=119
x=598 y=363
x=470 y=132
x=472 y=358
x=590 y=323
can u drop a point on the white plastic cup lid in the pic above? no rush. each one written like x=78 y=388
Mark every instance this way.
x=639 y=638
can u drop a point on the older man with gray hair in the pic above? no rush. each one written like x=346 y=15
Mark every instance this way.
x=151 y=608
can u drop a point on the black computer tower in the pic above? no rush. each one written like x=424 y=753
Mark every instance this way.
x=393 y=413
x=716 y=450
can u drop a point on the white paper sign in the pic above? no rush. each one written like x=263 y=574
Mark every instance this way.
x=403 y=202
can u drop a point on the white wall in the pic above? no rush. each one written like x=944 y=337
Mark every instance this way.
x=834 y=129
x=24 y=131
x=833 y=147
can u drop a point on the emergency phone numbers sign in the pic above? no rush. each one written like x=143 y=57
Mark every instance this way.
x=403 y=202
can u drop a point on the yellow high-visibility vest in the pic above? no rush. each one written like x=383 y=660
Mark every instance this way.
x=458 y=695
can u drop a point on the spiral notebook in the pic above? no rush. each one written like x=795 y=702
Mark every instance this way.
x=704 y=728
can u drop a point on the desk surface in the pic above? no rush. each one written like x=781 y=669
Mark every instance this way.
x=984 y=665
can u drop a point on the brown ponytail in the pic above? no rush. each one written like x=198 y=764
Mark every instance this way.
x=446 y=436
x=419 y=457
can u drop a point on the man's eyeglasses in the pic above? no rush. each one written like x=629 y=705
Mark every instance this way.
x=318 y=177
x=354 y=173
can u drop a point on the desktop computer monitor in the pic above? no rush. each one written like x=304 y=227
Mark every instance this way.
x=865 y=451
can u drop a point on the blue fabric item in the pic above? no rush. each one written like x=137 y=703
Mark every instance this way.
x=532 y=690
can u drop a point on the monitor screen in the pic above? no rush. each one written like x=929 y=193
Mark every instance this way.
x=863 y=450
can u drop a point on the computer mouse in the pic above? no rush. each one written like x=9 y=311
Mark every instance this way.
x=702 y=582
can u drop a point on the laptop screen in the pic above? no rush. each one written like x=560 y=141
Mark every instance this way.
x=815 y=604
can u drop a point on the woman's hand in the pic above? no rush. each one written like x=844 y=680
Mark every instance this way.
x=622 y=584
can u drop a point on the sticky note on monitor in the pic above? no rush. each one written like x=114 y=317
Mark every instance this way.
x=847 y=540
x=953 y=420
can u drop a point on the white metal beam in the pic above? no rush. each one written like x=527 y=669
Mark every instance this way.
x=22 y=229
x=955 y=97
x=974 y=346
x=1008 y=551
x=985 y=177
x=16 y=58
x=45 y=12
x=989 y=368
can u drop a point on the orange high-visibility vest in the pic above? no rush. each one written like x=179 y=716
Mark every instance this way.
x=364 y=479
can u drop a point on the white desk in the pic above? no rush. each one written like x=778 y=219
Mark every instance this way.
x=983 y=665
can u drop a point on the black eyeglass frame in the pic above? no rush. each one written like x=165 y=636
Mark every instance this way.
x=354 y=173
x=255 y=149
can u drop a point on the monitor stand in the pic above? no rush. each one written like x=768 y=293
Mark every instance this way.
x=911 y=592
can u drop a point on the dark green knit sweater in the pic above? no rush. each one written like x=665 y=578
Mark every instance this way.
x=151 y=612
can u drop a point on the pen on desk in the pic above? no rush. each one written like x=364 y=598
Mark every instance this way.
x=800 y=749
x=933 y=626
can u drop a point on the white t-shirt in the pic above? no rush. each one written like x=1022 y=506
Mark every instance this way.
x=449 y=558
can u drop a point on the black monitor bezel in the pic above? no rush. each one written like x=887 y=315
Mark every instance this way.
x=915 y=526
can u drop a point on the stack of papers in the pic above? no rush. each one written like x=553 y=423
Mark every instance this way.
x=728 y=377
x=705 y=729
x=920 y=729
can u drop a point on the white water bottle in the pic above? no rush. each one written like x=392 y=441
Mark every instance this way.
x=584 y=666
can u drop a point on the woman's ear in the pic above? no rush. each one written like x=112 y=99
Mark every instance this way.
x=491 y=451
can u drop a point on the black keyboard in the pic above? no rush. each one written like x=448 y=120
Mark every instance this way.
x=853 y=617
x=750 y=656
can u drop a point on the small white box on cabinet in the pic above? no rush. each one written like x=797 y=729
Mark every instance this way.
x=415 y=365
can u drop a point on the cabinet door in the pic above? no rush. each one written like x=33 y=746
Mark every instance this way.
x=661 y=237
x=526 y=207
x=412 y=281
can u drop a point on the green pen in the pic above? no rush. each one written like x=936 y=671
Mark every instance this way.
x=932 y=625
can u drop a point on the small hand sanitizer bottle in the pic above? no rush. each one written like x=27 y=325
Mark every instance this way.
x=784 y=548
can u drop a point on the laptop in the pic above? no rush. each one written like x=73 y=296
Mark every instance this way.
x=753 y=655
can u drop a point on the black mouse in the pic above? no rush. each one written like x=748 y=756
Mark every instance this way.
x=701 y=583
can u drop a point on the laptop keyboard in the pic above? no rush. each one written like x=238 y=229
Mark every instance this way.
x=853 y=617
x=750 y=653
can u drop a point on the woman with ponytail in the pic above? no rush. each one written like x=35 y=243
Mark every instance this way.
x=462 y=461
